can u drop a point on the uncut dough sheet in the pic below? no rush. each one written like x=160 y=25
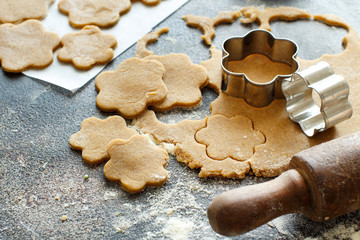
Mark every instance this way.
x=127 y=31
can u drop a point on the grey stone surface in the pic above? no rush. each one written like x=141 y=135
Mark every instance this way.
x=42 y=178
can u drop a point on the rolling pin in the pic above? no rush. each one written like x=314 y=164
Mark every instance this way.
x=323 y=183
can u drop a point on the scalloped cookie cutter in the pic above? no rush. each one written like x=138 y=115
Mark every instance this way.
x=300 y=88
x=258 y=41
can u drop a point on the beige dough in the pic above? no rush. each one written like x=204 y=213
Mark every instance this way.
x=141 y=50
x=264 y=17
x=135 y=84
x=229 y=137
x=207 y=25
x=183 y=80
x=136 y=163
x=15 y=11
x=283 y=137
x=214 y=69
x=149 y=2
x=86 y=48
x=95 y=135
x=259 y=68
x=27 y=45
x=102 y=13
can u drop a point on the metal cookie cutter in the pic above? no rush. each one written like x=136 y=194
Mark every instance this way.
x=299 y=88
x=318 y=82
x=237 y=84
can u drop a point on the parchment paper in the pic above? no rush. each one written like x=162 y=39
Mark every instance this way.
x=130 y=28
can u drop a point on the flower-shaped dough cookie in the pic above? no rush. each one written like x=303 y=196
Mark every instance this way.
x=26 y=45
x=14 y=11
x=136 y=163
x=87 y=47
x=229 y=137
x=135 y=84
x=95 y=135
x=183 y=80
x=103 y=13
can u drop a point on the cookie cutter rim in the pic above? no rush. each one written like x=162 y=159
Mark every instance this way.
x=263 y=42
x=332 y=90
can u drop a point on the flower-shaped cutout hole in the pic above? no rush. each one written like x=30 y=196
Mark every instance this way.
x=312 y=37
x=242 y=49
x=229 y=137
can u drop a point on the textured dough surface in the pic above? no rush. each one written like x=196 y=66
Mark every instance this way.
x=136 y=163
x=214 y=69
x=183 y=80
x=86 y=48
x=149 y=2
x=27 y=45
x=135 y=84
x=102 y=13
x=95 y=135
x=14 y=11
x=141 y=50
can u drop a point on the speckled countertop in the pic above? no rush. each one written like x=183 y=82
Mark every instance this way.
x=42 y=178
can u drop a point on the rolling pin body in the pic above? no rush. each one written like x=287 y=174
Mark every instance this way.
x=324 y=183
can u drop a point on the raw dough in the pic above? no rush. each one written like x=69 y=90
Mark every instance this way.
x=15 y=11
x=214 y=69
x=149 y=2
x=102 y=13
x=27 y=45
x=264 y=17
x=259 y=68
x=136 y=163
x=207 y=25
x=135 y=84
x=183 y=80
x=87 y=47
x=229 y=137
x=141 y=50
x=95 y=135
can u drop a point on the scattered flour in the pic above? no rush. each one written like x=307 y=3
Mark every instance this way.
x=178 y=228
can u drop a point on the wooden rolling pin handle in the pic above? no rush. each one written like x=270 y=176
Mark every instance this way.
x=286 y=194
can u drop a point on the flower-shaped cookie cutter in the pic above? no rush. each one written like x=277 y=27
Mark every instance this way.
x=258 y=41
x=318 y=82
x=316 y=97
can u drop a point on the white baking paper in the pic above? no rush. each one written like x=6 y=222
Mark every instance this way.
x=131 y=27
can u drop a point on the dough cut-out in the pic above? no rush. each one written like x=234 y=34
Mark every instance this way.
x=27 y=45
x=229 y=137
x=214 y=69
x=86 y=48
x=141 y=50
x=207 y=25
x=135 y=84
x=264 y=17
x=95 y=135
x=15 y=11
x=102 y=13
x=136 y=163
x=148 y=2
x=183 y=79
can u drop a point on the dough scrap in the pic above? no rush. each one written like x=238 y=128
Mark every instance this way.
x=238 y=134
x=214 y=69
x=136 y=163
x=149 y=2
x=141 y=50
x=95 y=135
x=183 y=80
x=207 y=25
x=264 y=17
x=15 y=11
x=135 y=84
x=86 y=48
x=102 y=13
x=27 y=45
